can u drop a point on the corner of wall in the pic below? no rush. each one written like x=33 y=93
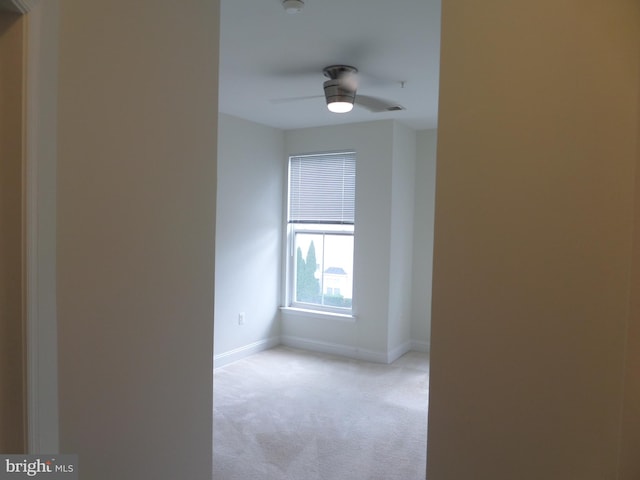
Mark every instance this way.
x=423 y=238
x=248 y=263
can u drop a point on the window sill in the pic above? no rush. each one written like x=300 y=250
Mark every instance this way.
x=319 y=314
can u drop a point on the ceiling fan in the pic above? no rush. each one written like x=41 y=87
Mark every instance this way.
x=340 y=92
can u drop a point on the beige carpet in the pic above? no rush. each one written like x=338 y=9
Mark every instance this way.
x=287 y=414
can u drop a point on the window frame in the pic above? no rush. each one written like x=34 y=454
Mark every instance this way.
x=314 y=229
x=319 y=228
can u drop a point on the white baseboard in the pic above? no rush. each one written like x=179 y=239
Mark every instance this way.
x=244 y=351
x=334 y=349
x=321 y=347
x=419 y=346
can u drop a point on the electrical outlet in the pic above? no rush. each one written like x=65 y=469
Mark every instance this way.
x=241 y=318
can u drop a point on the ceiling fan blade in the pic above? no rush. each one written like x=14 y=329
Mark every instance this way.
x=278 y=101
x=377 y=105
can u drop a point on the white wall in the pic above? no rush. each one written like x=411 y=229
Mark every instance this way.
x=251 y=172
x=368 y=336
x=250 y=187
x=537 y=149
x=629 y=459
x=136 y=211
x=425 y=186
x=12 y=135
x=42 y=115
x=251 y=180
x=373 y=143
x=401 y=249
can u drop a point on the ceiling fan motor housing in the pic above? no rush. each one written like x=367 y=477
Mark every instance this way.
x=337 y=91
x=340 y=87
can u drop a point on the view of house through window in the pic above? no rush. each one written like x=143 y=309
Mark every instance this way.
x=321 y=229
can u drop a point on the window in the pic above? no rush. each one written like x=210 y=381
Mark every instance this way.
x=320 y=228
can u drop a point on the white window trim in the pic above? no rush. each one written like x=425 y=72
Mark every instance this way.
x=312 y=228
x=320 y=314
x=288 y=305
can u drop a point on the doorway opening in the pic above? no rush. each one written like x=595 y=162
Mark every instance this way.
x=273 y=106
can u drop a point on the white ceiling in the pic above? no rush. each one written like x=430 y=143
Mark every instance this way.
x=267 y=55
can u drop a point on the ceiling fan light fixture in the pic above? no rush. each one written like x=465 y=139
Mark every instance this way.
x=292 y=6
x=340 y=107
x=339 y=96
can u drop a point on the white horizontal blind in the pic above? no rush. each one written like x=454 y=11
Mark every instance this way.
x=322 y=188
